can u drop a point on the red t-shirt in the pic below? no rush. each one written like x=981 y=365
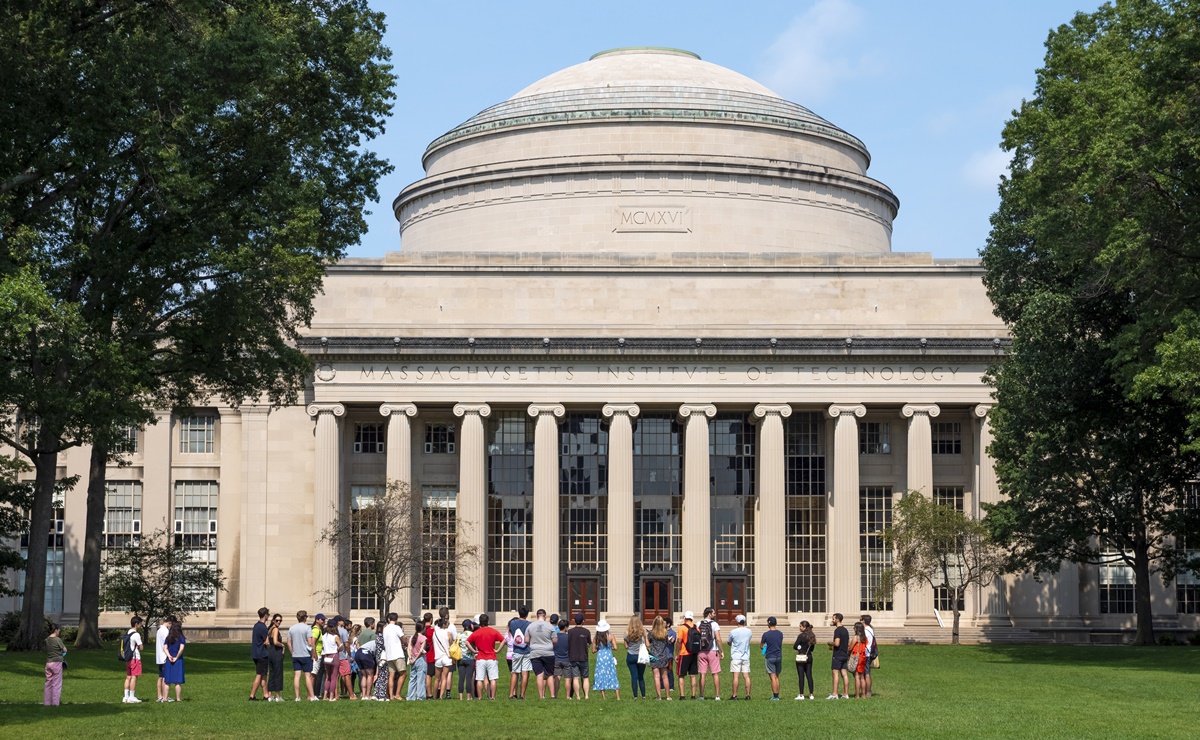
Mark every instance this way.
x=484 y=639
x=430 y=657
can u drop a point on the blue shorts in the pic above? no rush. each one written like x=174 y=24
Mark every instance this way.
x=302 y=664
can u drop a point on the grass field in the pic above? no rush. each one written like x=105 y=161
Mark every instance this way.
x=923 y=691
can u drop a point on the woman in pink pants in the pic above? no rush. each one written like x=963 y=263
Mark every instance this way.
x=55 y=650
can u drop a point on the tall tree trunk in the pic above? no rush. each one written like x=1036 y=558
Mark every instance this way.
x=32 y=635
x=954 y=630
x=89 y=596
x=1141 y=593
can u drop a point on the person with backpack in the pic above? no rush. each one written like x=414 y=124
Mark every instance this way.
x=688 y=641
x=518 y=651
x=131 y=652
x=711 y=652
x=872 y=652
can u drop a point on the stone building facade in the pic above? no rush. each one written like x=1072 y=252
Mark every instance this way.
x=646 y=346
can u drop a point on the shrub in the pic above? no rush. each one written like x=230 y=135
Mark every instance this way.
x=10 y=624
x=68 y=634
x=1194 y=638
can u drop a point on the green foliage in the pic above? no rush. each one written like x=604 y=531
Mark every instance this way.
x=9 y=624
x=15 y=499
x=159 y=577
x=1094 y=262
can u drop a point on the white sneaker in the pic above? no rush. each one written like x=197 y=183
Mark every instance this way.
x=800 y=698
x=717 y=698
x=297 y=698
x=134 y=700
x=831 y=696
x=313 y=698
x=843 y=696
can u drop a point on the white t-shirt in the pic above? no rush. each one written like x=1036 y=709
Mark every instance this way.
x=393 y=642
x=329 y=644
x=135 y=643
x=716 y=645
x=160 y=644
x=441 y=643
x=870 y=633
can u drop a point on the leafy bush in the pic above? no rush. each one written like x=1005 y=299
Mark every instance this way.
x=10 y=624
x=68 y=634
x=1194 y=638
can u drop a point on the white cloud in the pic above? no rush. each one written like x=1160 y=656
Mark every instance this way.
x=983 y=169
x=808 y=60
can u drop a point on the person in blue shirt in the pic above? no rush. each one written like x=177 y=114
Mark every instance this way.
x=772 y=646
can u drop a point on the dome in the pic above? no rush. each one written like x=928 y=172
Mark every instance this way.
x=646 y=150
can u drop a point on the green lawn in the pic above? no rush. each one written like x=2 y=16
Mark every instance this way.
x=925 y=691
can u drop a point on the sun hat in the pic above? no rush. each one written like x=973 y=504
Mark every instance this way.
x=602 y=625
x=689 y=615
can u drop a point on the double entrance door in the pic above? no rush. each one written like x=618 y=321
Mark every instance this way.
x=584 y=594
x=729 y=598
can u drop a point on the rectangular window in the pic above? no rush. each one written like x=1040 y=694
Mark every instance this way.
x=947 y=437
x=804 y=468
x=510 y=511
x=55 y=561
x=1116 y=584
x=804 y=454
x=364 y=542
x=123 y=513
x=943 y=598
x=127 y=441
x=874 y=438
x=439 y=439
x=196 y=434
x=368 y=439
x=657 y=502
x=1187 y=585
x=439 y=542
x=874 y=516
x=583 y=501
x=196 y=525
x=731 y=463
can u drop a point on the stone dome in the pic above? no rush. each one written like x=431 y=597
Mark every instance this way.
x=646 y=150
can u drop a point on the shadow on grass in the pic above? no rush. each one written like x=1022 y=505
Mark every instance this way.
x=1177 y=659
x=29 y=714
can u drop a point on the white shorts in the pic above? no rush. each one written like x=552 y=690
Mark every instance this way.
x=487 y=670
x=522 y=664
x=443 y=663
x=739 y=665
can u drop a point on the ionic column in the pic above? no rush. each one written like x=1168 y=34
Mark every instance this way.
x=545 y=503
x=696 y=578
x=398 y=471
x=472 y=505
x=842 y=577
x=326 y=497
x=920 y=479
x=620 y=508
x=770 y=546
x=993 y=602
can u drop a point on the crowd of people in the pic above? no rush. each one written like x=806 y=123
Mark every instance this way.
x=334 y=659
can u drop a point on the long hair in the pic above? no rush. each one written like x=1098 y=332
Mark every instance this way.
x=635 y=632
x=859 y=633
x=807 y=633
x=176 y=633
x=602 y=639
x=658 y=630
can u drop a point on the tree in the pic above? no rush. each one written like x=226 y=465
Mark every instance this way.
x=15 y=499
x=936 y=545
x=174 y=177
x=1094 y=262
x=395 y=546
x=160 y=576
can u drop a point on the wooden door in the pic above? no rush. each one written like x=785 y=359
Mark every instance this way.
x=730 y=598
x=656 y=598
x=585 y=597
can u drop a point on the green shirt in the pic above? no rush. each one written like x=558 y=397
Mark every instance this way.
x=366 y=640
x=54 y=650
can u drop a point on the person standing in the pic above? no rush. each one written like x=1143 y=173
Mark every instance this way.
x=430 y=657
x=672 y=664
x=806 y=641
x=688 y=646
x=443 y=635
x=772 y=642
x=133 y=663
x=606 y=662
x=300 y=644
x=55 y=652
x=635 y=640
x=662 y=652
x=859 y=659
x=739 y=654
x=579 y=641
x=486 y=641
x=562 y=658
x=260 y=653
x=418 y=648
x=275 y=659
x=160 y=655
x=174 y=667
x=841 y=655
x=331 y=646
x=345 y=658
x=394 y=664
x=518 y=651
x=466 y=664
x=367 y=660
x=318 y=643
x=541 y=653
x=711 y=652
x=872 y=652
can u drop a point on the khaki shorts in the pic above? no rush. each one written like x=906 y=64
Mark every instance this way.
x=739 y=665
x=398 y=665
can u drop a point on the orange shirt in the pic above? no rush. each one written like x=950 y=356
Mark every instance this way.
x=682 y=636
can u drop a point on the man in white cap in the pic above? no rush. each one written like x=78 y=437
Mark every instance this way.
x=739 y=654
x=689 y=650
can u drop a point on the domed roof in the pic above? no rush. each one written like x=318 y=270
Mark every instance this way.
x=641 y=83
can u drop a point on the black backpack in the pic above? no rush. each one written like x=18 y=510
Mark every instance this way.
x=125 y=651
x=693 y=640
x=706 y=636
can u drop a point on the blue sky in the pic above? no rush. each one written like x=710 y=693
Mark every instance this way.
x=926 y=85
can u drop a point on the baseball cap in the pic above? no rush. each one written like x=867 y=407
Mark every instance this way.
x=319 y=616
x=689 y=615
x=466 y=623
x=771 y=621
x=741 y=618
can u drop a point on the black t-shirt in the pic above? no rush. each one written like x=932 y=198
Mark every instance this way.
x=578 y=641
x=258 y=648
x=842 y=651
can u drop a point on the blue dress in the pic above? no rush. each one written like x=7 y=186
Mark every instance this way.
x=606 y=670
x=173 y=672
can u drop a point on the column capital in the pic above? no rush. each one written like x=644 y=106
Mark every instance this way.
x=556 y=409
x=983 y=409
x=482 y=409
x=397 y=409
x=705 y=409
x=612 y=409
x=849 y=409
x=929 y=409
x=763 y=410
x=316 y=409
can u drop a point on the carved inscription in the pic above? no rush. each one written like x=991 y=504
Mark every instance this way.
x=670 y=219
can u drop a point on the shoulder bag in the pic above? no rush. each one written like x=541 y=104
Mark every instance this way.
x=643 y=655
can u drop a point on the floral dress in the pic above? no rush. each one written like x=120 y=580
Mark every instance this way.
x=606 y=670
x=381 y=676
